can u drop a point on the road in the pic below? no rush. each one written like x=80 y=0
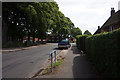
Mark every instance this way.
x=25 y=63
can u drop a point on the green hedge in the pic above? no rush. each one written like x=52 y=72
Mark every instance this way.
x=52 y=41
x=13 y=44
x=81 y=42
x=103 y=50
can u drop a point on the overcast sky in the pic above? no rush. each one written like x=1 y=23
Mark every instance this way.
x=87 y=14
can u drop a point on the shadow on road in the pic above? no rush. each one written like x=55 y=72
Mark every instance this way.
x=81 y=66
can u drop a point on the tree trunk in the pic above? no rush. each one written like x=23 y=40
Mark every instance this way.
x=4 y=32
x=38 y=39
x=28 y=41
x=33 y=38
x=41 y=40
x=28 y=36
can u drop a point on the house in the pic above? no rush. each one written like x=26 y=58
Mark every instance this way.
x=53 y=38
x=25 y=38
x=111 y=24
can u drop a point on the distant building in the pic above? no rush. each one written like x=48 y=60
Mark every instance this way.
x=53 y=38
x=25 y=38
x=111 y=24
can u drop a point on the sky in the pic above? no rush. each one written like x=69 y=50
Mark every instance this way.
x=87 y=14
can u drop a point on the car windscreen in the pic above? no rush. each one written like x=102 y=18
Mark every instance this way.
x=64 y=42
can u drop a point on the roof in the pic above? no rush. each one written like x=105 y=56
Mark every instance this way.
x=114 y=19
x=97 y=31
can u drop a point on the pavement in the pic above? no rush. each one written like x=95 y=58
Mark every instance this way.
x=75 y=65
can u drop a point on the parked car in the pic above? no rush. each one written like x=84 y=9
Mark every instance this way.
x=64 y=44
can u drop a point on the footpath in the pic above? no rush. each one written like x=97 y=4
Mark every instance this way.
x=75 y=65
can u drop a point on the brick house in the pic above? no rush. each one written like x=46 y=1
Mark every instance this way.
x=111 y=24
x=53 y=38
x=25 y=38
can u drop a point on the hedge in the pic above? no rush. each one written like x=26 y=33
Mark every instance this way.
x=52 y=41
x=81 y=42
x=10 y=44
x=103 y=50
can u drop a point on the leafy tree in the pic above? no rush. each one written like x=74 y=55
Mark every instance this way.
x=35 y=19
x=87 y=32
x=75 y=32
x=71 y=25
x=11 y=17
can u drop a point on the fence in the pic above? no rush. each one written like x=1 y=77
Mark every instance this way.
x=52 y=54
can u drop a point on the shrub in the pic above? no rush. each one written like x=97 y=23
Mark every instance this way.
x=13 y=44
x=103 y=50
x=81 y=42
x=52 y=41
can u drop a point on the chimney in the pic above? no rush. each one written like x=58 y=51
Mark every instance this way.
x=98 y=27
x=118 y=5
x=112 y=11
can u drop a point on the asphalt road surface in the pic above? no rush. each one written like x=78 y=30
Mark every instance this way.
x=25 y=63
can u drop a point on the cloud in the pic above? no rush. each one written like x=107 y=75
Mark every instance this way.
x=87 y=14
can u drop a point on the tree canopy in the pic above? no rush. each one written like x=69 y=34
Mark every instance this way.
x=87 y=32
x=75 y=32
x=35 y=19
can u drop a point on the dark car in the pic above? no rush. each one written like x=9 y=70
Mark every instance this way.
x=64 y=44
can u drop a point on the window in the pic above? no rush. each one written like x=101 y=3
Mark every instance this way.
x=102 y=31
x=111 y=28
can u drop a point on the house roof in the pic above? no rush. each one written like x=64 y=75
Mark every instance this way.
x=114 y=19
x=97 y=31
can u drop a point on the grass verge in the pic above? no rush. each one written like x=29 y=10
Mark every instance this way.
x=48 y=69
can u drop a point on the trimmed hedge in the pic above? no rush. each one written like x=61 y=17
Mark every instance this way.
x=52 y=41
x=13 y=44
x=81 y=42
x=103 y=50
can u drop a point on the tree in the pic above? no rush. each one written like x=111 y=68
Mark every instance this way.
x=34 y=19
x=71 y=25
x=11 y=17
x=87 y=32
x=75 y=32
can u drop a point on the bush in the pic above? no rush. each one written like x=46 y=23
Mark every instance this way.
x=81 y=42
x=103 y=50
x=13 y=44
x=52 y=41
